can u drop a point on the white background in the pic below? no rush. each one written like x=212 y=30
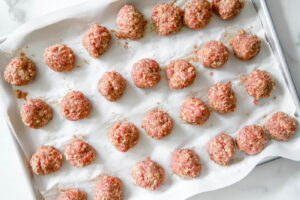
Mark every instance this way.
x=275 y=180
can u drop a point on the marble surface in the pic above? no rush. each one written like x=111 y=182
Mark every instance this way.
x=275 y=180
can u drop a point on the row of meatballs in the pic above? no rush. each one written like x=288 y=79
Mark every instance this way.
x=149 y=174
x=131 y=24
x=145 y=73
x=36 y=113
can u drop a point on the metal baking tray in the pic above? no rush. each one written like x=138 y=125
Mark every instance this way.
x=271 y=36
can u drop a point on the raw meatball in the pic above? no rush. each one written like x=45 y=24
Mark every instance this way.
x=186 y=164
x=124 y=136
x=36 y=113
x=259 y=84
x=157 y=124
x=46 y=160
x=75 y=106
x=20 y=71
x=222 y=98
x=131 y=23
x=197 y=14
x=108 y=188
x=213 y=54
x=112 y=85
x=72 y=194
x=251 y=139
x=96 y=40
x=221 y=149
x=145 y=73
x=79 y=153
x=59 y=58
x=167 y=17
x=281 y=126
x=245 y=47
x=180 y=74
x=148 y=174
x=227 y=9
x=194 y=111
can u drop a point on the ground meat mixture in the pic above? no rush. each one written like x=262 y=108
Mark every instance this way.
x=20 y=94
x=79 y=153
x=148 y=174
x=145 y=73
x=59 y=58
x=157 y=124
x=180 y=74
x=213 y=54
x=72 y=194
x=221 y=149
x=227 y=9
x=167 y=17
x=112 y=86
x=75 y=106
x=108 y=188
x=36 y=113
x=96 y=40
x=131 y=23
x=186 y=164
x=46 y=160
x=194 y=111
x=259 y=84
x=20 y=71
x=222 y=98
x=245 y=47
x=281 y=126
x=251 y=139
x=197 y=14
x=124 y=136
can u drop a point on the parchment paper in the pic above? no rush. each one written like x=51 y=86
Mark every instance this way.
x=67 y=27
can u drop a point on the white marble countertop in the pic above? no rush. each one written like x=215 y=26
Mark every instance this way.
x=278 y=179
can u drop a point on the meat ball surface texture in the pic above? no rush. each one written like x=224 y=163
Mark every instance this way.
x=108 y=188
x=186 y=164
x=96 y=40
x=20 y=71
x=221 y=149
x=245 y=47
x=213 y=54
x=194 y=111
x=124 y=136
x=227 y=9
x=251 y=139
x=75 y=106
x=36 y=113
x=112 y=86
x=79 y=153
x=157 y=124
x=145 y=73
x=281 y=126
x=167 y=17
x=197 y=14
x=222 y=98
x=148 y=174
x=180 y=74
x=131 y=23
x=46 y=160
x=259 y=84
x=72 y=194
x=59 y=58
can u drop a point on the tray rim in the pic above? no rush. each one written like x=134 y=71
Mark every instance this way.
x=262 y=5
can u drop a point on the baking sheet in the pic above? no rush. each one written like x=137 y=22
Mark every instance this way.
x=68 y=27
